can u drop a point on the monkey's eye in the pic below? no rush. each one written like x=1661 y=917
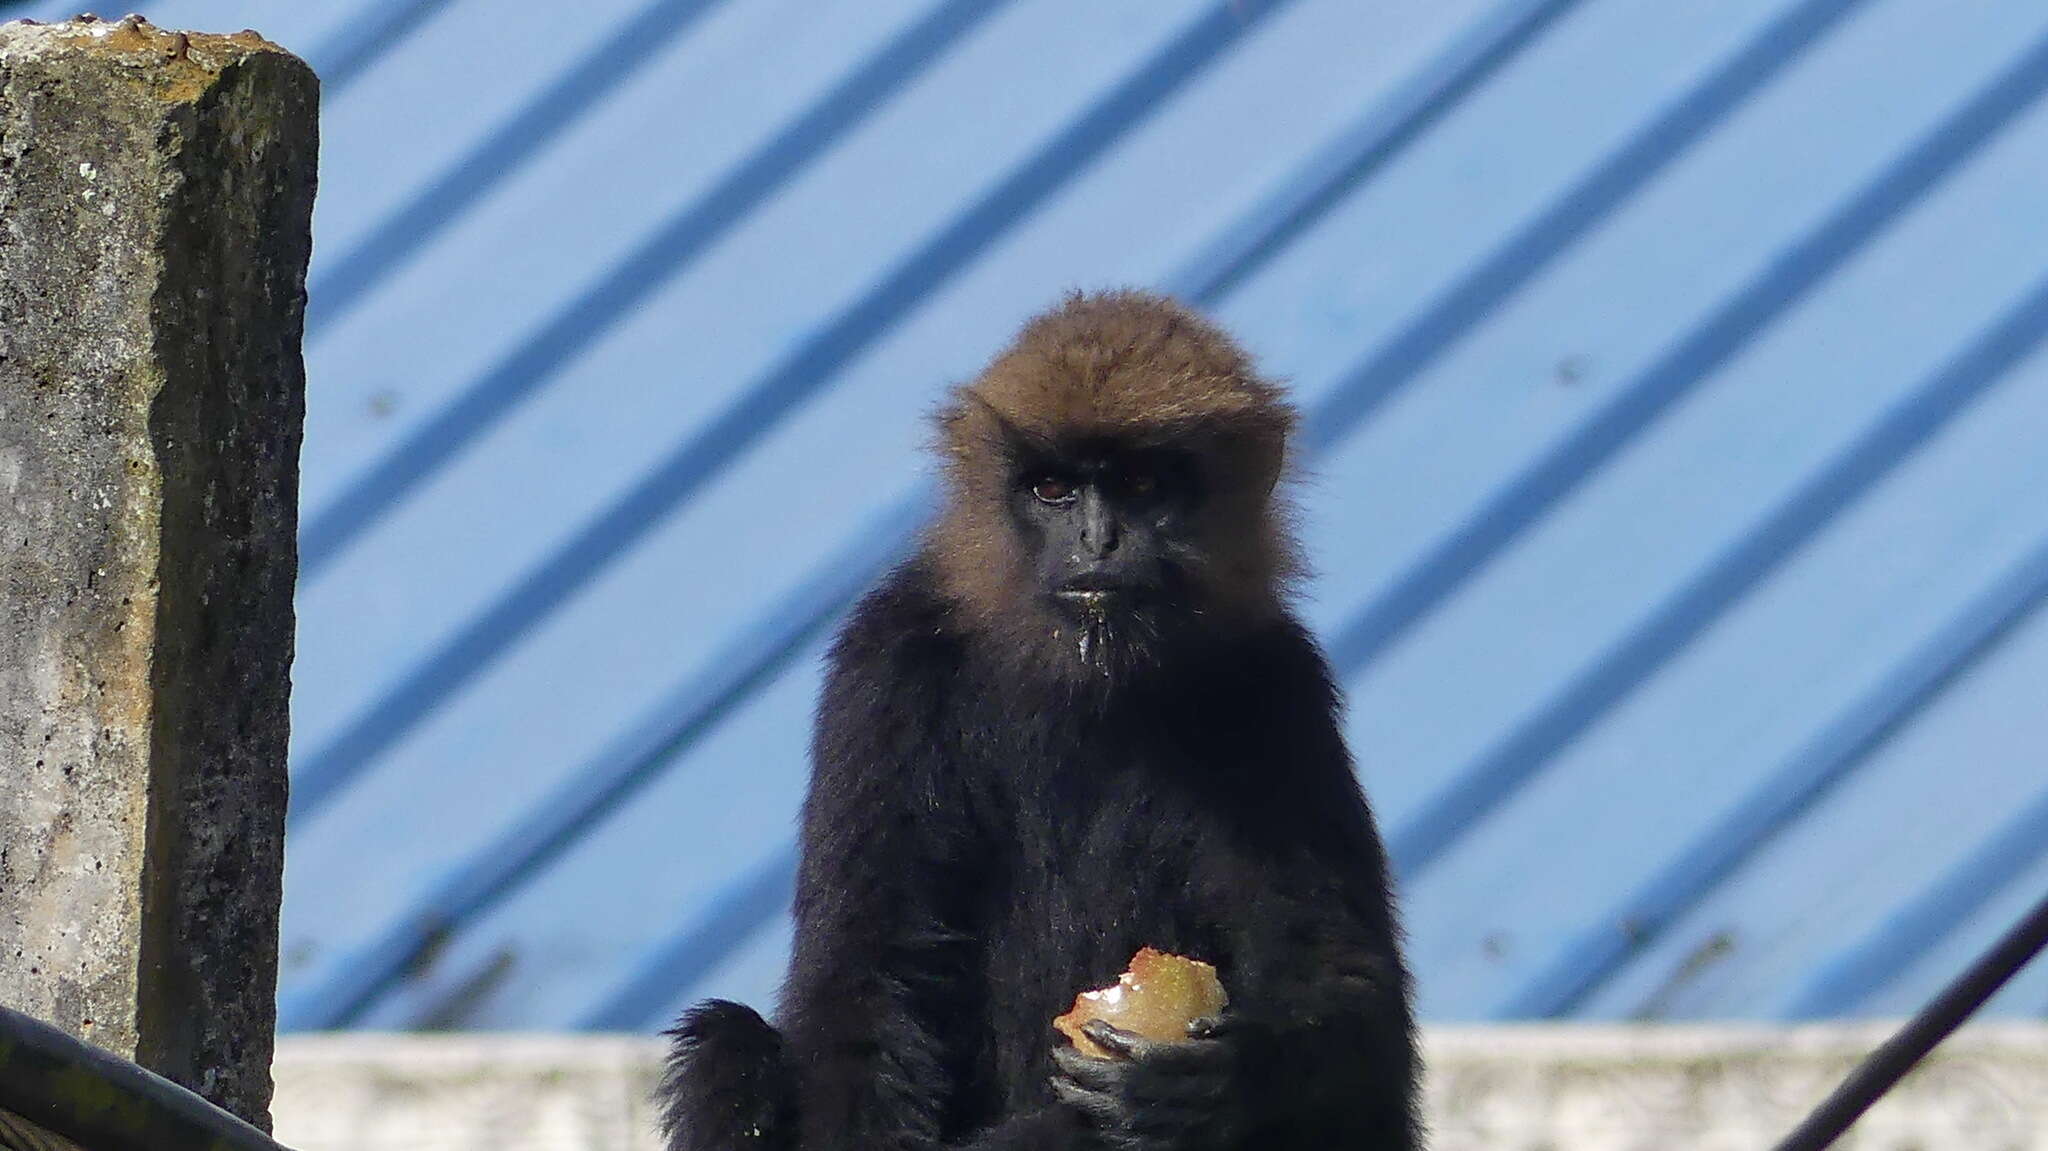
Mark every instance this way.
x=1140 y=483
x=1052 y=490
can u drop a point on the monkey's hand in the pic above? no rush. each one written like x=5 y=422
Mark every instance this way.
x=1152 y=1096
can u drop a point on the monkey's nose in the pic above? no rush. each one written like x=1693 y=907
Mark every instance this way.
x=1098 y=526
x=1098 y=547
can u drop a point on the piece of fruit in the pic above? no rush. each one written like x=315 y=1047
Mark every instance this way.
x=1157 y=997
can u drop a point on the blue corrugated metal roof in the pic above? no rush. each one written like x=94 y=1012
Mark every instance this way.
x=1676 y=396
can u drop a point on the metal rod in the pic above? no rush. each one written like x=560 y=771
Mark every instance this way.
x=1889 y=1063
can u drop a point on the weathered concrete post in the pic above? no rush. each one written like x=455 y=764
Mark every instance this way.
x=156 y=191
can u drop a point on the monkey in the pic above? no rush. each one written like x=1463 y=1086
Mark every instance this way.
x=1080 y=719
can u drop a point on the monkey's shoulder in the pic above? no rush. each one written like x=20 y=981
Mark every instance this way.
x=900 y=629
x=891 y=673
x=1276 y=665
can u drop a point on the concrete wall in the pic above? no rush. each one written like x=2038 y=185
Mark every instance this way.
x=156 y=193
x=1505 y=1089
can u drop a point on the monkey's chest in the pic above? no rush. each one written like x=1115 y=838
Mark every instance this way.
x=1069 y=903
x=1082 y=914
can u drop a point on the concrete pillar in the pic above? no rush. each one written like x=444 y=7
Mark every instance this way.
x=156 y=192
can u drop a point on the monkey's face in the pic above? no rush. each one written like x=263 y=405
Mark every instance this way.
x=1108 y=531
x=1114 y=497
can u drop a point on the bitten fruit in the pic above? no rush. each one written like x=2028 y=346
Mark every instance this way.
x=1157 y=997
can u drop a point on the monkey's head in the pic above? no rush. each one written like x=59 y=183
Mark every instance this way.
x=1114 y=485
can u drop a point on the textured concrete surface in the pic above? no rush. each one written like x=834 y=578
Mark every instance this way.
x=155 y=201
x=1488 y=1089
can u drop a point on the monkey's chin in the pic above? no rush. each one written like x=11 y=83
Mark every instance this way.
x=1097 y=643
x=1094 y=641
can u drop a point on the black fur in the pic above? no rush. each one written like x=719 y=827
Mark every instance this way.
x=728 y=1082
x=980 y=843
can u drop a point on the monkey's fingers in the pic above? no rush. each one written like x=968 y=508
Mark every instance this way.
x=1118 y=1042
x=1091 y=1072
x=1103 y=1109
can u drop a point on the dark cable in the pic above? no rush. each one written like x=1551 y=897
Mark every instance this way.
x=1883 y=1069
x=96 y=1099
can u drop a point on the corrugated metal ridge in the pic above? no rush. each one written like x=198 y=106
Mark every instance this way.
x=395 y=241
x=666 y=253
x=1845 y=743
x=1790 y=277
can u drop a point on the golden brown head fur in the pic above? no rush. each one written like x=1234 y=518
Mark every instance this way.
x=1130 y=367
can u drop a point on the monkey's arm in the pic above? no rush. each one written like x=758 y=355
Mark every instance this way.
x=879 y=955
x=1326 y=1036
x=1324 y=1042
x=870 y=944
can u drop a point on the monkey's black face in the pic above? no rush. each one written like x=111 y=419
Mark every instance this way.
x=1109 y=530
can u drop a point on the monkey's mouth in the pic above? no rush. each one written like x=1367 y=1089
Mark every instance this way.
x=1089 y=598
x=1113 y=622
x=1103 y=595
x=1095 y=594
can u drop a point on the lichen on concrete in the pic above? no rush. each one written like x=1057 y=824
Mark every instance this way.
x=155 y=199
